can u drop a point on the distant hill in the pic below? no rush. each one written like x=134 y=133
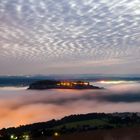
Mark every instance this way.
x=58 y=84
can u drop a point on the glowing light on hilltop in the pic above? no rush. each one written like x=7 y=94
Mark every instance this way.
x=86 y=83
x=72 y=83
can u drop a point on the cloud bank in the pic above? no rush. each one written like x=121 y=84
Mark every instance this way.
x=24 y=107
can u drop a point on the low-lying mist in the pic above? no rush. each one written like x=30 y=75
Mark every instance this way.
x=22 y=106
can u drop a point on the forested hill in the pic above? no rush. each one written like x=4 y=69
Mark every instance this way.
x=74 y=123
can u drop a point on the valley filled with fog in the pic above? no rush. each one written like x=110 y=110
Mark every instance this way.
x=20 y=106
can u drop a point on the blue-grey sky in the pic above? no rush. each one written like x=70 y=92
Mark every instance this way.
x=69 y=36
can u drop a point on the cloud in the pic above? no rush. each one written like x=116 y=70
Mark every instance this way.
x=127 y=98
x=50 y=32
x=24 y=107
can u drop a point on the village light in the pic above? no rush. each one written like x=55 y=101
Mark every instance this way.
x=56 y=134
x=85 y=83
x=13 y=137
x=26 y=137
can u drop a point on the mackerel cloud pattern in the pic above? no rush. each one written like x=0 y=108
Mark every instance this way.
x=52 y=31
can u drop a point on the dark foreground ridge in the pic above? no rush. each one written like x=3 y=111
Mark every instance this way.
x=53 y=84
x=97 y=126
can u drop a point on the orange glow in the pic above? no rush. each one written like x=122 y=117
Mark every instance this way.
x=66 y=84
x=72 y=83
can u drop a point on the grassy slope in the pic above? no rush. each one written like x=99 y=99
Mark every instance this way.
x=93 y=122
x=93 y=126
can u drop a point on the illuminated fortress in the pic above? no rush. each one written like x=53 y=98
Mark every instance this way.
x=53 y=84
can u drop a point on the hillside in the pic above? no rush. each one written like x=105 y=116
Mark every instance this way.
x=77 y=126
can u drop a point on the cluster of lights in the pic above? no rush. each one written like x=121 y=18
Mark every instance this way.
x=72 y=83
x=13 y=137
x=66 y=83
x=23 y=137
x=27 y=137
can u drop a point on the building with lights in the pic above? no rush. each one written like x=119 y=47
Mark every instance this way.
x=52 y=84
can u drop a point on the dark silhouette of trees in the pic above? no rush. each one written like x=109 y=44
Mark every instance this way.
x=49 y=128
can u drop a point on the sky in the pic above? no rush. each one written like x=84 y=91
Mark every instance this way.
x=69 y=36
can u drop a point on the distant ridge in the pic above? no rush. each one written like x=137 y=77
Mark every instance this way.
x=26 y=80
